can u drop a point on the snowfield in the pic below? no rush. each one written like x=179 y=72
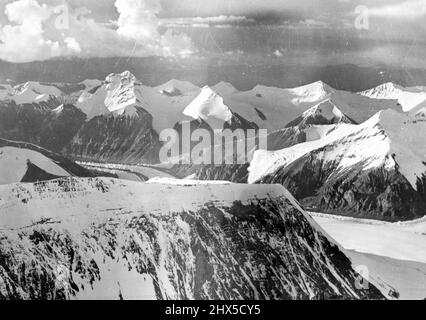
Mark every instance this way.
x=176 y=101
x=395 y=253
x=14 y=164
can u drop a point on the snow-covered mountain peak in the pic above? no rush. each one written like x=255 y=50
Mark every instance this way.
x=177 y=87
x=388 y=90
x=125 y=79
x=208 y=104
x=324 y=113
x=409 y=98
x=122 y=93
x=30 y=92
x=312 y=92
x=327 y=109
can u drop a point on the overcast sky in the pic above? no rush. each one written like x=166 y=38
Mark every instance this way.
x=356 y=31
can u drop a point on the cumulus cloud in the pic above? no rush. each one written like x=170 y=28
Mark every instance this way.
x=38 y=31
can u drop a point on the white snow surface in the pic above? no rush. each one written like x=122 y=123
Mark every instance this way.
x=162 y=196
x=32 y=92
x=13 y=164
x=395 y=253
x=207 y=105
x=177 y=101
x=388 y=139
x=409 y=97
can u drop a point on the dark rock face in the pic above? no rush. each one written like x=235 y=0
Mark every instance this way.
x=58 y=129
x=238 y=122
x=285 y=138
x=117 y=139
x=266 y=249
x=36 y=174
x=21 y=123
x=375 y=193
x=40 y=125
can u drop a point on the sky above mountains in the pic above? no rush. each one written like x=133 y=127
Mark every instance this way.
x=363 y=32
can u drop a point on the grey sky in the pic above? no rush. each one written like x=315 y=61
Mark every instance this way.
x=279 y=29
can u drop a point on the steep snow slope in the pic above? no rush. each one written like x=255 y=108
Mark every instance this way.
x=377 y=168
x=21 y=161
x=209 y=106
x=409 y=98
x=14 y=164
x=395 y=253
x=166 y=240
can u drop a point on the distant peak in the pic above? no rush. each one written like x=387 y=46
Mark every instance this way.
x=385 y=90
x=319 y=85
x=175 y=85
x=317 y=89
x=124 y=77
x=324 y=113
x=224 y=87
x=208 y=104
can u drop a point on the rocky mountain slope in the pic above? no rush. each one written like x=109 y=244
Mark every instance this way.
x=52 y=129
x=166 y=239
x=376 y=169
x=167 y=106
x=313 y=124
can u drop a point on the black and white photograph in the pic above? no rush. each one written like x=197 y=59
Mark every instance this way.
x=236 y=151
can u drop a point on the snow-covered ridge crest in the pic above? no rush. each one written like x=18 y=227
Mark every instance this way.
x=389 y=139
x=118 y=239
x=29 y=92
x=208 y=104
x=60 y=197
x=311 y=92
x=409 y=98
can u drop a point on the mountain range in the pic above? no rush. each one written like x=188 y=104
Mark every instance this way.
x=88 y=210
x=119 y=120
x=166 y=239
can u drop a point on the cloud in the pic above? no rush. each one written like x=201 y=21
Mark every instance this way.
x=37 y=31
x=72 y=44
x=403 y=10
x=216 y=21
x=278 y=53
